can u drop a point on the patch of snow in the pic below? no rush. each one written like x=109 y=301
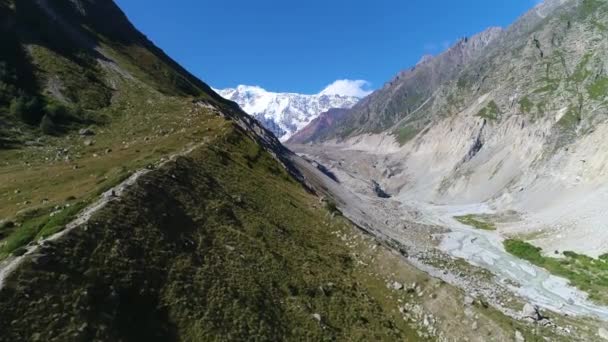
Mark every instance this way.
x=286 y=113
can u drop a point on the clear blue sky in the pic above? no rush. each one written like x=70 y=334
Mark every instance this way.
x=304 y=45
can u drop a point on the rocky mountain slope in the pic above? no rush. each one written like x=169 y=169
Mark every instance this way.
x=318 y=127
x=137 y=204
x=518 y=118
x=502 y=135
x=62 y=64
x=285 y=113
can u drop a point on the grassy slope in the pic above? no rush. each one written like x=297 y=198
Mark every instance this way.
x=221 y=245
x=35 y=180
x=224 y=245
x=74 y=62
x=477 y=221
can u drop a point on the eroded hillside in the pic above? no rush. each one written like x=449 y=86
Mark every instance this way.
x=137 y=204
x=498 y=141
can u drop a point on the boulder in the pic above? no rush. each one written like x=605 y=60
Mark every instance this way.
x=397 y=285
x=519 y=337
x=603 y=333
x=531 y=311
x=86 y=132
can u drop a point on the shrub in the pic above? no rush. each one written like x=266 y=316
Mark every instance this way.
x=332 y=207
x=406 y=134
x=490 y=112
x=19 y=251
x=570 y=254
x=526 y=105
x=47 y=126
x=56 y=110
x=524 y=251
x=27 y=109
x=58 y=116
x=599 y=89
x=17 y=107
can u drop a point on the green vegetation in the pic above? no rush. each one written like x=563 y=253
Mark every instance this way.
x=405 y=134
x=586 y=273
x=581 y=73
x=53 y=118
x=332 y=207
x=462 y=83
x=590 y=7
x=524 y=251
x=61 y=83
x=476 y=221
x=490 y=111
x=525 y=105
x=80 y=79
x=551 y=85
x=570 y=120
x=599 y=25
x=38 y=223
x=221 y=244
x=598 y=90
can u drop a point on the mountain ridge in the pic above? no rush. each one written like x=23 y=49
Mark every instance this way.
x=284 y=113
x=511 y=135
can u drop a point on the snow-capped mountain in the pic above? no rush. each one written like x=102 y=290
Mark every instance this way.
x=285 y=113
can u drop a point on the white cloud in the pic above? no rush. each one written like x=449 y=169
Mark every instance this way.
x=357 y=88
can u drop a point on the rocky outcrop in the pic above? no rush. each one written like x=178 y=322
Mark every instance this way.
x=318 y=127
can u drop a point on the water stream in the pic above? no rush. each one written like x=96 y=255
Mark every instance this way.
x=485 y=249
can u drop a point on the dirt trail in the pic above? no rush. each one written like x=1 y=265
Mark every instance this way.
x=8 y=265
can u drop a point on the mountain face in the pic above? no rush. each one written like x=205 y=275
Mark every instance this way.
x=511 y=119
x=435 y=84
x=318 y=126
x=55 y=63
x=500 y=141
x=137 y=204
x=284 y=113
x=411 y=89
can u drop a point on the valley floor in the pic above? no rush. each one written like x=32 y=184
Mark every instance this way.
x=437 y=243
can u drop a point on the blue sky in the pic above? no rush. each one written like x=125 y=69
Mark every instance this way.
x=302 y=46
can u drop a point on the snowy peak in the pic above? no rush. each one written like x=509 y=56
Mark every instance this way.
x=286 y=113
